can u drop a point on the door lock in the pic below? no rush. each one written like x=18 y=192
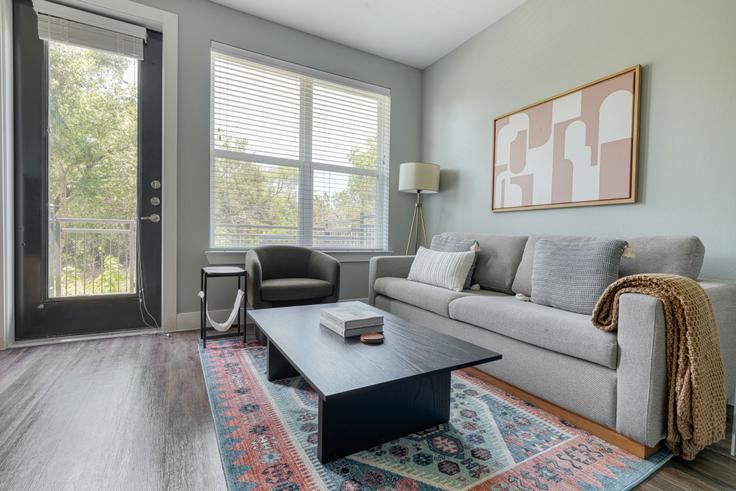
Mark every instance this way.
x=153 y=218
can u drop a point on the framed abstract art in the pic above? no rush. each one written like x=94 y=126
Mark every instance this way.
x=577 y=148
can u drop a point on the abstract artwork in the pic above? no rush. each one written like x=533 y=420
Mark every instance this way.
x=574 y=149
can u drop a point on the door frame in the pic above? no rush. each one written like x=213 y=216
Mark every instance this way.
x=152 y=18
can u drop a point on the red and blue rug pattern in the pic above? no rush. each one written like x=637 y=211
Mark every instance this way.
x=267 y=433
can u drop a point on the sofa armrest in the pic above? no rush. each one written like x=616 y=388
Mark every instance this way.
x=641 y=407
x=253 y=281
x=327 y=268
x=722 y=297
x=396 y=266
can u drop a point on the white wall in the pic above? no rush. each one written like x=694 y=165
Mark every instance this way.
x=688 y=120
x=200 y=23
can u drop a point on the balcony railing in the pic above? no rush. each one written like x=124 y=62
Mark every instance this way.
x=91 y=256
x=357 y=233
x=97 y=256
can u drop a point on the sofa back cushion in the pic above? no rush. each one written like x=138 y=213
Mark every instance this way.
x=682 y=255
x=573 y=275
x=498 y=258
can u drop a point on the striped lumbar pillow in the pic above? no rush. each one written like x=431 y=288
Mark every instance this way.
x=443 y=269
x=448 y=243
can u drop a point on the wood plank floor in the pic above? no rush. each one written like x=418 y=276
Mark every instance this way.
x=123 y=413
x=132 y=413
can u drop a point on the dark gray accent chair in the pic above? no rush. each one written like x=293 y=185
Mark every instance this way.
x=281 y=276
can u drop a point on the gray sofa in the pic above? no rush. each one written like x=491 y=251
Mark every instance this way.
x=615 y=379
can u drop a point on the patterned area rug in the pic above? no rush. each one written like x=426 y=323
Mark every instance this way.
x=267 y=434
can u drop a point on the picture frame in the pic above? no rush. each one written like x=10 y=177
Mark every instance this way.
x=576 y=148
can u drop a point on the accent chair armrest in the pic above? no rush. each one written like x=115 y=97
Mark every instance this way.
x=253 y=280
x=324 y=267
x=382 y=266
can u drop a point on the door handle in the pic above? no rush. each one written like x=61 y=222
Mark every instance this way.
x=153 y=218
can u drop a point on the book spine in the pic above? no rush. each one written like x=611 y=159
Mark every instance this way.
x=365 y=323
x=333 y=327
x=327 y=315
x=349 y=333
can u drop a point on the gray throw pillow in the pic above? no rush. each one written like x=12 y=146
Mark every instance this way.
x=573 y=275
x=448 y=243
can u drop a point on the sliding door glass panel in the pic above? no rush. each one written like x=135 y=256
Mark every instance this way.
x=93 y=172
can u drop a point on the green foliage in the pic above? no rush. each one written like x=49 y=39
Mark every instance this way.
x=93 y=132
x=267 y=195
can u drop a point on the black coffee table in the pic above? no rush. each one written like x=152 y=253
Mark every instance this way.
x=368 y=395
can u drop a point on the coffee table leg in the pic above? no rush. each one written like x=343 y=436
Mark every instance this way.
x=278 y=366
x=353 y=422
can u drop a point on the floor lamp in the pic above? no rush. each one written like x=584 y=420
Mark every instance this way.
x=419 y=178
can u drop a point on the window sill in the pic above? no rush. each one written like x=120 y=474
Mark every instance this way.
x=237 y=256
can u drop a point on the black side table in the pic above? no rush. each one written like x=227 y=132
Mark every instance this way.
x=218 y=272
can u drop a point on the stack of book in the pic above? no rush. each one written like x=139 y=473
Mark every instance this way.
x=351 y=321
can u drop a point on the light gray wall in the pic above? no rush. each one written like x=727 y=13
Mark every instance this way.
x=688 y=119
x=200 y=23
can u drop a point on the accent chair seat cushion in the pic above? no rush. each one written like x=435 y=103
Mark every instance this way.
x=546 y=327
x=427 y=297
x=287 y=289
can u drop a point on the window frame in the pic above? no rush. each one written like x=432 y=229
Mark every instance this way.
x=304 y=163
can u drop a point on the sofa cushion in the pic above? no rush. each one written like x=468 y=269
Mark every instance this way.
x=448 y=243
x=681 y=255
x=427 y=297
x=553 y=329
x=498 y=258
x=573 y=275
x=285 y=289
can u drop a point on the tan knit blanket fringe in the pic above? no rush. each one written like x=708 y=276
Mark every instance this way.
x=696 y=406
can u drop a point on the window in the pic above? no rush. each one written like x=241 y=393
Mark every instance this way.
x=297 y=156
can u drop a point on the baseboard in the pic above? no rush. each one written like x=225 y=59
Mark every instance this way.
x=189 y=321
x=639 y=449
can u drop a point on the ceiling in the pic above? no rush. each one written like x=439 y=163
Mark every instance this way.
x=413 y=32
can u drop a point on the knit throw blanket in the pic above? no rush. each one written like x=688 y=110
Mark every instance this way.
x=696 y=406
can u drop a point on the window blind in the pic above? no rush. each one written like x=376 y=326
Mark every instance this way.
x=64 y=24
x=297 y=156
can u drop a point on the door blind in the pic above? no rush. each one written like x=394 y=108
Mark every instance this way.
x=63 y=24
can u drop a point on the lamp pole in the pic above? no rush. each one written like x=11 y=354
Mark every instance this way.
x=415 y=226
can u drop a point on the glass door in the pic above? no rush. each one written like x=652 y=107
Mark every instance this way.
x=88 y=166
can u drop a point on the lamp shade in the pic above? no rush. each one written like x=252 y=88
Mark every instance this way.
x=419 y=177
